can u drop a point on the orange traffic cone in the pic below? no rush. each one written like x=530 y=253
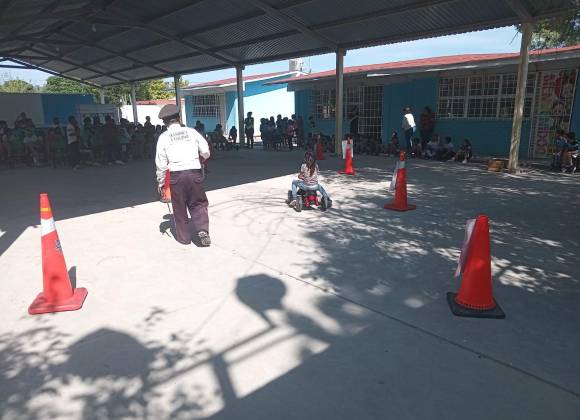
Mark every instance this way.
x=319 y=151
x=475 y=297
x=166 y=196
x=348 y=167
x=399 y=184
x=57 y=293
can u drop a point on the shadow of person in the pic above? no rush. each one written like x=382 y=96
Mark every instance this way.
x=110 y=353
x=167 y=225
x=261 y=293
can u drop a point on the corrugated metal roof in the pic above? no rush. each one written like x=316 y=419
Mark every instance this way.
x=427 y=63
x=113 y=41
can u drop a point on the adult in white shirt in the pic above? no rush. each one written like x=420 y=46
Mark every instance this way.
x=179 y=150
x=409 y=127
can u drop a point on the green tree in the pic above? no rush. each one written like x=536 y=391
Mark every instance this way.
x=17 y=86
x=170 y=86
x=56 y=84
x=158 y=89
x=557 y=32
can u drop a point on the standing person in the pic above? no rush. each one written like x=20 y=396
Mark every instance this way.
x=233 y=135
x=4 y=143
x=111 y=142
x=179 y=150
x=354 y=124
x=427 y=125
x=249 y=130
x=409 y=127
x=73 y=134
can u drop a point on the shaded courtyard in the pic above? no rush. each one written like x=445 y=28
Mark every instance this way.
x=292 y=315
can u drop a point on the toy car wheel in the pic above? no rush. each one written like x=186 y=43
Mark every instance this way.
x=289 y=197
x=324 y=204
x=299 y=204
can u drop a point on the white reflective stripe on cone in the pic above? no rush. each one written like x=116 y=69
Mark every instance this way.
x=401 y=164
x=394 y=179
x=465 y=247
x=47 y=226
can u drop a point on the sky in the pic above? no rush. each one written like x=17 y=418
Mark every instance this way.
x=490 y=41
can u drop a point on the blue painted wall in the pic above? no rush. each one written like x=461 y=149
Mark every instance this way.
x=231 y=109
x=489 y=137
x=62 y=105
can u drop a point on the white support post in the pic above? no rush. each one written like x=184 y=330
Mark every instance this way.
x=176 y=80
x=340 y=53
x=240 y=89
x=102 y=95
x=520 y=96
x=134 y=103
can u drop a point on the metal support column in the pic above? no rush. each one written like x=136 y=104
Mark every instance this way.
x=176 y=80
x=340 y=53
x=520 y=96
x=102 y=95
x=240 y=89
x=134 y=103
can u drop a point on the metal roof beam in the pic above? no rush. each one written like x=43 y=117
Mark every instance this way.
x=115 y=54
x=521 y=10
x=289 y=5
x=54 y=73
x=40 y=40
x=148 y=21
x=293 y=23
x=381 y=13
x=69 y=14
x=76 y=65
x=4 y=6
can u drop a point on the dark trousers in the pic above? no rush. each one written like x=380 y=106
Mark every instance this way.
x=250 y=138
x=187 y=194
x=409 y=139
x=74 y=154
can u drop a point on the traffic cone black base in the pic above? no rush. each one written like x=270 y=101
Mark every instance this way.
x=41 y=305
x=460 y=310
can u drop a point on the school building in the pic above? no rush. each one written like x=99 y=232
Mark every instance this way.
x=472 y=96
x=215 y=102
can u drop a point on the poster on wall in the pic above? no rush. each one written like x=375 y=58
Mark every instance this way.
x=553 y=109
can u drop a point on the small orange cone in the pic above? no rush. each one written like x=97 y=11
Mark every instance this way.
x=399 y=184
x=475 y=297
x=166 y=197
x=348 y=167
x=319 y=151
x=57 y=293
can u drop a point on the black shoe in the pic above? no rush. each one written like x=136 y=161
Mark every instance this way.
x=204 y=239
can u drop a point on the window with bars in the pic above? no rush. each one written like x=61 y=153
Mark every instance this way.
x=206 y=106
x=324 y=104
x=366 y=101
x=482 y=96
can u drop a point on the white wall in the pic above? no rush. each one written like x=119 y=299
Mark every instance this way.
x=12 y=104
x=269 y=104
x=145 y=111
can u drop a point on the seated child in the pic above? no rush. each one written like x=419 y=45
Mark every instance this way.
x=394 y=146
x=307 y=180
x=447 y=151
x=432 y=147
x=465 y=152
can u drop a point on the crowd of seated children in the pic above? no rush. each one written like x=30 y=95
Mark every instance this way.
x=93 y=143
x=565 y=157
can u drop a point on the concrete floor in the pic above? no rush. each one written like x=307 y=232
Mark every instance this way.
x=336 y=315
